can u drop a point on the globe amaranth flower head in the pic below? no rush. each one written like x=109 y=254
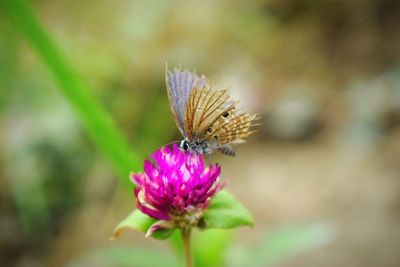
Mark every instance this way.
x=176 y=188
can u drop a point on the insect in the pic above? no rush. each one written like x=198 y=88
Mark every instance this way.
x=208 y=119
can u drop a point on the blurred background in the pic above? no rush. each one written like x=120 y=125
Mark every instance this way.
x=324 y=75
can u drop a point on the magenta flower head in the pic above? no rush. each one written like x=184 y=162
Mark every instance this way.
x=176 y=188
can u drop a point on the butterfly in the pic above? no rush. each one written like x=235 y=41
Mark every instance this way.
x=208 y=119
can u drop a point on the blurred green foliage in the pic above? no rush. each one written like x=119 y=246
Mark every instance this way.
x=126 y=257
x=97 y=121
x=278 y=245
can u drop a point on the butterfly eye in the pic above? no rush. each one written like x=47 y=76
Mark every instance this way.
x=184 y=145
x=209 y=130
x=226 y=114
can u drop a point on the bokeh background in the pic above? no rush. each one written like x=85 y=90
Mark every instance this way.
x=324 y=75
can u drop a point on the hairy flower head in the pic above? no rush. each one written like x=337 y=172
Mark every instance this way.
x=176 y=187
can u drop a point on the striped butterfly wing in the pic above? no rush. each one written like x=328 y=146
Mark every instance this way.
x=230 y=129
x=233 y=128
x=212 y=116
x=179 y=86
x=203 y=107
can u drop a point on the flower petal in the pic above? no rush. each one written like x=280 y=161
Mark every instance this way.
x=157 y=214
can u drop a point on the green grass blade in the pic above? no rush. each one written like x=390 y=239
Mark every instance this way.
x=98 y=123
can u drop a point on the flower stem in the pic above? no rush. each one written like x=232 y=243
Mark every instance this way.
x=187 y=247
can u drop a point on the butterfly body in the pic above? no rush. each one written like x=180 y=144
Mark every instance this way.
x=207 y=118
x=197 y=146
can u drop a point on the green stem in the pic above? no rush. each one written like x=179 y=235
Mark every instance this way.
x=187 y=247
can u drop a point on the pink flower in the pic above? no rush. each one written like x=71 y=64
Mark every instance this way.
x=176 y=187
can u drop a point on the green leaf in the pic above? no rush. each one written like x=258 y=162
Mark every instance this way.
x=135 y=220
x=139 y=221
x=226 y=211
x=163 y=234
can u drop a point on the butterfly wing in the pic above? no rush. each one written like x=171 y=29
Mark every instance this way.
x=212 y=116
x=204 y=106
x=233 y=128
x=179 y=86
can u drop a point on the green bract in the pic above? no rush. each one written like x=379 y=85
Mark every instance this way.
x=224 y=212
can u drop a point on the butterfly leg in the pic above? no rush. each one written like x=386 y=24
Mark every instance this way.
x=227 y=150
